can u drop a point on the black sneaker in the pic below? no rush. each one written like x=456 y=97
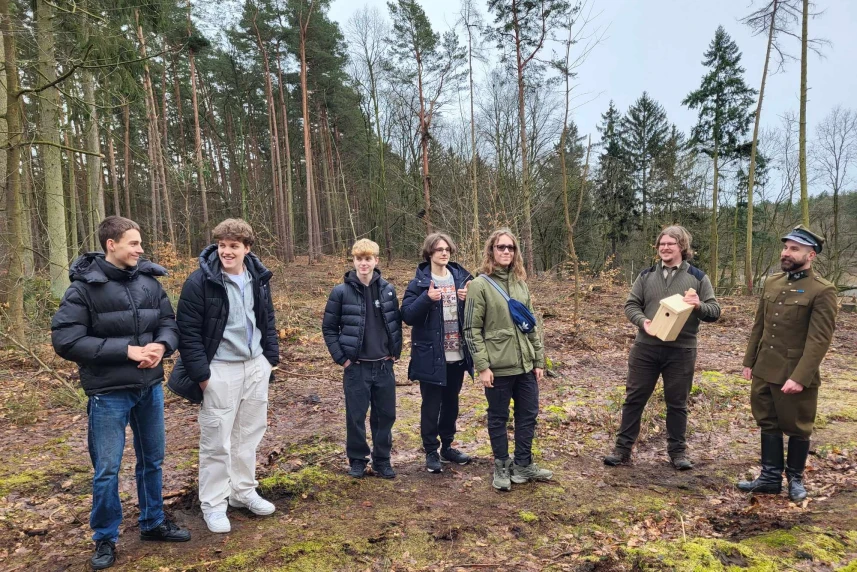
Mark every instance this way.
x=433 y=462
x=105 y=554
x=167 y=531
x=358 y=468
x=384 y=470
x=451 y=455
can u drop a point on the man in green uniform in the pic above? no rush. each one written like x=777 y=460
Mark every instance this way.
x=792 y=331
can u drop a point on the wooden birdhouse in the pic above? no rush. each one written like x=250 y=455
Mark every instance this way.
x=670 y=318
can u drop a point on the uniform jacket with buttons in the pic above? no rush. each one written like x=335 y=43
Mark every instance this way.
x=793 y=328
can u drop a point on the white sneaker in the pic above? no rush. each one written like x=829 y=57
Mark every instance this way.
x=255 y=504
x=217 y=522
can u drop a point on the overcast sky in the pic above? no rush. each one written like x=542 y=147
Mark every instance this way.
x=658 y=45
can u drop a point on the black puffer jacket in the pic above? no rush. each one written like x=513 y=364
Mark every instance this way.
x=428 y=359
x=202 y=313
x=345 y=317
x=105 y=310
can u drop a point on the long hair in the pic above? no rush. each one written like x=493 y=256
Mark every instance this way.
x=681 y=236
x=516 y=268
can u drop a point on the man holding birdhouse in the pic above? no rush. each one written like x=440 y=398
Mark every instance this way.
x=790 y=336
x=663 y=346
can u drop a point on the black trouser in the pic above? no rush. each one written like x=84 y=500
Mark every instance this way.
x=369 y=384
x=524 y=389
x=439 y=409
x=645 y=364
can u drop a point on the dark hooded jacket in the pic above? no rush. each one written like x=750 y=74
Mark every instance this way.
x=428 y=359
x=344 y=320
x=105 y=310
x=202 y=313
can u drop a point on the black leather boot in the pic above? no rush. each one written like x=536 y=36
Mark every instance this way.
x=798 y=450
x=770 y=481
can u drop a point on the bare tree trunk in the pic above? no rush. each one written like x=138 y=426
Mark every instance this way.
x=198 y=138
x=714 y=260
x=287 y=154
x=15 y=271
x=182 y=153
x=51 y=153
x=751 y=177
x=804 y=197
x=525 y=166
x=126 y=114
x=310 y=187
x=276 y=168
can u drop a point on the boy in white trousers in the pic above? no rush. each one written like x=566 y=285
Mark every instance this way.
x=229 y=346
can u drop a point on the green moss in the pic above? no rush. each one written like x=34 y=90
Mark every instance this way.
x=823 y=548
x=299 y=548
x=775 y=539
x=242 y=560
x=528 y=517
x=26 y=480
x=701 y=555
x=308 y=479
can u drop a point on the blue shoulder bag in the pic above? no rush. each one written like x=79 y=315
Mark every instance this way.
x=521 y=315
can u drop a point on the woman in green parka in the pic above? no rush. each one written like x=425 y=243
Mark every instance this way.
x=509 y=362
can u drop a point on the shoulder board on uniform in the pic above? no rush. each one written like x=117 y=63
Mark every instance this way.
x=695 y=272
x=823 y=280
x=647 y=270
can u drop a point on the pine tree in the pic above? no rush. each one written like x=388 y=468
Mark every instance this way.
x=614 y=190
x=644 y=132
x=723 y=102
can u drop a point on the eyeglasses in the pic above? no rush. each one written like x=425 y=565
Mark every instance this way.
x=505 y=247
x=441 y=250
x=669 y=244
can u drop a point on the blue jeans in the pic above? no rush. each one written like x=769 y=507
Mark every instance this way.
x=109 y=414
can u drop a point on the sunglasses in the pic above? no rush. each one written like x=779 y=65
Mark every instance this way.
x=505 y=247
x=439 y=250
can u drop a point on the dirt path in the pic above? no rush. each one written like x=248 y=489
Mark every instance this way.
x=645 y=516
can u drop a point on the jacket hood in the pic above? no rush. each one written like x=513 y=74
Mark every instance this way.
x=351 y=278
x=210 y=265
x=423 y=273
x=90 y=267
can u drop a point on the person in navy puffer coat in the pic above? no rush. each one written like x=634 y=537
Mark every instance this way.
x=434 y=306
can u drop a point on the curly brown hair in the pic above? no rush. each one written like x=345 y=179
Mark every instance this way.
x=234 y=229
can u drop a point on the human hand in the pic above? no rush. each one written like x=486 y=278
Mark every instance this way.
x=462 y=292
x=791 y=386
x=433 y=293
x=154 y=354
x=539 y=373
x=487 y=378
x=747 y=373
x=203 y=385
x=347 y=363
x=692 y=298
x=646 y=325
x=137 y=353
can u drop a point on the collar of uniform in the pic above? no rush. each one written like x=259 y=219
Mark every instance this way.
x=795 y=276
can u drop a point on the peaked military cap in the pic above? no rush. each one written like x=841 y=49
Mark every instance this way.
x=803 y=235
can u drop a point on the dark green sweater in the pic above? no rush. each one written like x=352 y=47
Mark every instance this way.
x=651 y=287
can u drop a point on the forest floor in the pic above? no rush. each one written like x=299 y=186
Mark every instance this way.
x=645 y=516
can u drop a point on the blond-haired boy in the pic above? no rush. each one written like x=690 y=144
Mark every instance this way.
x=362 y=328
